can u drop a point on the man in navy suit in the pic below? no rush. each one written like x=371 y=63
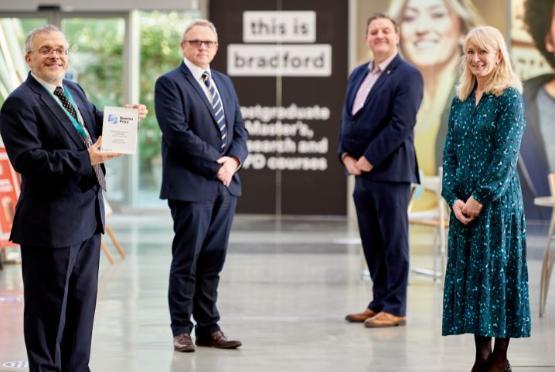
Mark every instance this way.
x=537 y=152
x=204 y=143
x=376 y=146
x=50 y=131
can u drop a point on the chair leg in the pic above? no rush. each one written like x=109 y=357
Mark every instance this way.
x=547 y=266
x=434 y=257
x=107 y=252
x=117 y=244
x=443 y=254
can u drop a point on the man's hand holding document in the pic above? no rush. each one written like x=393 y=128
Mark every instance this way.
x=120 y=129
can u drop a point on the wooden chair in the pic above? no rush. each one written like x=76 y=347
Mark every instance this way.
x=548 y=257
x=110 y=233
x=438 y=220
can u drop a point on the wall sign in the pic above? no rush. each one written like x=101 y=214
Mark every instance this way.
x=289 y=66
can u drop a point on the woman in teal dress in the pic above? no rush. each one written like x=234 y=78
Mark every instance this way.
x=486 y=283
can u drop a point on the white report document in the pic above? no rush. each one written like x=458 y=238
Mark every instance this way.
x=120 y=130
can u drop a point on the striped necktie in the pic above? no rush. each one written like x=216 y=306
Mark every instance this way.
x=217 y=107
x=85 y=136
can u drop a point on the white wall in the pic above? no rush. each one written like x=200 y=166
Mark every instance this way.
x=99 y=5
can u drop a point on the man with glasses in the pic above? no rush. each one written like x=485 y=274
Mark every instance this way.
x=51 y=133
x=203 y=146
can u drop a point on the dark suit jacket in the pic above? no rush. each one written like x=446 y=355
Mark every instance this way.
x=191 y=138
x=533 y=164
x=60 y=203
x=383 y=129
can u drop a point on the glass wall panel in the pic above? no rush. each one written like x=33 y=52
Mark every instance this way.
x=97 y=58
x=160 y=34
x=13 y=69
x=96 y=63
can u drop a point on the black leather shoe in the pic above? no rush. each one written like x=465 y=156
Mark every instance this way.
x=183 y=343
x=478 y=366
x=218 y=340
x=487 y=367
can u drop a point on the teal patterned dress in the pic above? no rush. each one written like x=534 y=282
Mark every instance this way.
x=486 y=283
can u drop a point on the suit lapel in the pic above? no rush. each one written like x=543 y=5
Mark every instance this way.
x=84 y=110
x=357 y=82
x=376 y=88
x=384 y=77
x=56 y=110
x=378 y=84
x=196 y=87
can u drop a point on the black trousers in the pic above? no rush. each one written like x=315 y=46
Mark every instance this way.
x=383 y=224
x=198 y=254
x=60 y=287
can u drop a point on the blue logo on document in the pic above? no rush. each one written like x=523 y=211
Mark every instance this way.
x=113 y=119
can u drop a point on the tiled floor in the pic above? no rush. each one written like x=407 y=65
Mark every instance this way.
x=284 y=292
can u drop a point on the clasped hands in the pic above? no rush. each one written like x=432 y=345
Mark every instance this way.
x=356 y=167
x=97 y=156
x=466 y=212
x=229 y=166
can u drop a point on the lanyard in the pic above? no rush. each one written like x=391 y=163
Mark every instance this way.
x=78 y=126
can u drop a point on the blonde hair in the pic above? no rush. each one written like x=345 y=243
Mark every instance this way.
x=464 y=9
x=502 y=77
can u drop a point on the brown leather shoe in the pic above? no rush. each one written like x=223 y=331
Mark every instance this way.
x=383 y=319
x=360 y=317
x=218 y=340
x=183 y=343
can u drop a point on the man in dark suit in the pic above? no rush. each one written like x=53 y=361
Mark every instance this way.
x=376 y=146
x=50 y=131
x=537 y=152
x=204 y=143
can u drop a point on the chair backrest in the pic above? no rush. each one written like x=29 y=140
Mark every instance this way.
x=551 y=180
x=439 y=215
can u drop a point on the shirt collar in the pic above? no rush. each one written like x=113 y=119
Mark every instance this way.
x=196 y=70
x=381 y=66
x=49 y=87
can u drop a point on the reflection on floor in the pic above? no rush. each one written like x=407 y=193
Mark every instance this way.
x=284 y=292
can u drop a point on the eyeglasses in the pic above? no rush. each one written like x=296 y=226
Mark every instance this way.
x=46 y=51
x=198 y=43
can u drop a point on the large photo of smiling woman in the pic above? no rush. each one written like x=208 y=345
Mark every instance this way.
x=431 y=37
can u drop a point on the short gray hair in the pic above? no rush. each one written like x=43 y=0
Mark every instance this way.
x=199 y=22
x=39 y=30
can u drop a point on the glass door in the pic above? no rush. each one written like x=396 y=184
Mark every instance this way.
x=96 y=43
x=116 y=58
x=13 y=69
x=160 y=35
x=97 y=63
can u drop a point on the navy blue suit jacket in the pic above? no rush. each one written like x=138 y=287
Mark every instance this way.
x=533 y=163
x=60 y=203
x=191 y=138
x=383 y=129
